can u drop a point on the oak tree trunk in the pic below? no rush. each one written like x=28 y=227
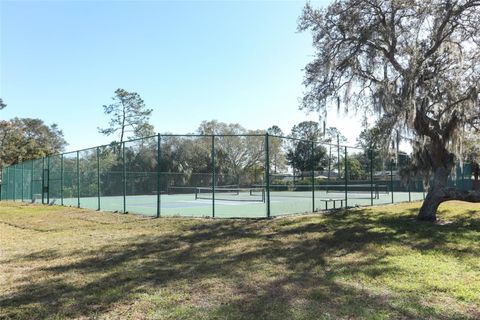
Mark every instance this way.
x=435 y=195
x=442 y=163
x=439 y=192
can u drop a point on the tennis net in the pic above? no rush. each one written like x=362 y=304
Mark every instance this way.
x=230 y=194
x=173 y=190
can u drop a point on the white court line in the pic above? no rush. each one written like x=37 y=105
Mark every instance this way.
x=224 y=202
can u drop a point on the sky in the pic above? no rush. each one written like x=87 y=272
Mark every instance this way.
x=236 y=62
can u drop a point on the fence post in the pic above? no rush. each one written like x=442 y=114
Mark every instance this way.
x=8 y=183
x=346 y=178
x=409 y=191
x=31 y=181
x=61 y=179
x=48 y=180
x=158 y=175
x=338 y=155
x=78 y=179
x=124 y=178
x=22 y=179
x=370 y=155
x=12 y=180
x=329 y=161
x=5 y=180
x=43 y=180
x=267 y=173
x=15 y=183
x=409 y=184
x=213 y=176
x=98 y=178
x=9 y=179
x=391 y=177
x=313 y=175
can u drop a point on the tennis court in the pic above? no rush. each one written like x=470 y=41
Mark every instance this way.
x=221 y=176
x=237 y=203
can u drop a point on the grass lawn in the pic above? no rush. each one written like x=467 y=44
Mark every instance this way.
x=370 y=263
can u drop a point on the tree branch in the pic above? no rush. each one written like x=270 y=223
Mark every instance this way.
x=460 y=195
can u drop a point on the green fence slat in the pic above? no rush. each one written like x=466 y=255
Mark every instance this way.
x=391 y=178
x=312 y=157
x=124 y=179
x=346 y=177
x=213 y=176
x=267 y=173
x=158 y=175
x=78 y=179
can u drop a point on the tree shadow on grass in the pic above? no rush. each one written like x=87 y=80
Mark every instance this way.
x=235 y=269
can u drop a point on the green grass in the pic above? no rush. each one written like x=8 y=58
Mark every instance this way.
x=373 y=263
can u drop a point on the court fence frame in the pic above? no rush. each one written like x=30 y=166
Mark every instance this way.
x=62 y=176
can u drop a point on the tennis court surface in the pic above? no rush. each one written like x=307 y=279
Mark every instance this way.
x=239 y=203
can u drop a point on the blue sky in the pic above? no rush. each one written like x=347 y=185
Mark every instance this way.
x=190 y=61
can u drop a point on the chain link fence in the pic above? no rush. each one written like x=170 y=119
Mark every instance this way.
x=226 y=176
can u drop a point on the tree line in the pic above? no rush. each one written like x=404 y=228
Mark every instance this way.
x=185 y=161
x=22 y=139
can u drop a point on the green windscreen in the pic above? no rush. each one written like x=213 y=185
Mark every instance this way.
x=18 y=182
x=3 y=187
x=55 y=178
x=37 y=179
x=27 y=180
x=10 y=185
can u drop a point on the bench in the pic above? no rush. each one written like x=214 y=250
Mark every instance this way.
x=334 y=203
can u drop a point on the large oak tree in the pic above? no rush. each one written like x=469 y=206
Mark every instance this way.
x=23 y=139
x=415 y=64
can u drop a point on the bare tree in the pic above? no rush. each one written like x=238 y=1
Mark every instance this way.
x=415 y=63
